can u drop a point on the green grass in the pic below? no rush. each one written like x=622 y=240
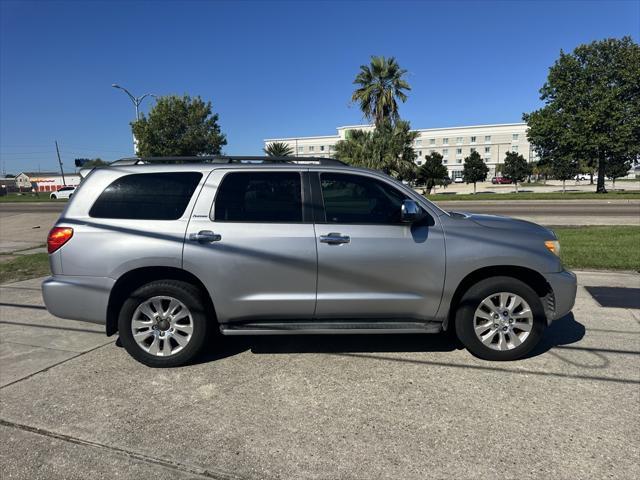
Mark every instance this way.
x=535 y=196
x=29 y=197
x=23 y=267
x=608 y=248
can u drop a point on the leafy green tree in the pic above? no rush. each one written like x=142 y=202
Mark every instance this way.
x=278 y=149
x=96 y=162
x=564 y=168
x=516 y=168
x=388 y=148
x=592 y=106
x=179 y=126
x=432 y=172
x=617 y=168
x=474 y=169
x=380 y=84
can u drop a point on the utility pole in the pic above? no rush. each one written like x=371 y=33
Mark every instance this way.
x=60 y=162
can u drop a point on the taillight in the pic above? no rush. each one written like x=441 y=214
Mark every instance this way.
x=58 y=236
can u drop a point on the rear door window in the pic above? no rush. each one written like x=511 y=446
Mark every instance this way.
x=269 y=197
x=147 y=196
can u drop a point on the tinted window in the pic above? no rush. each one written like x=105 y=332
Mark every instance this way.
x=357 y=199
x=259 y=197
x=148 y=196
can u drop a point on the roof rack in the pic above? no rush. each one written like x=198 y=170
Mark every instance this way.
x=224 y=159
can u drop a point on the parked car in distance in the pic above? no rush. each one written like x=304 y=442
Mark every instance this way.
x=458 y=180
x=167 y=253
x=582 y=177
x=501 y=181
x=64 y=192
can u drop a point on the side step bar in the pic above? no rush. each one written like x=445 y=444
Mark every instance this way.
x=320 y=327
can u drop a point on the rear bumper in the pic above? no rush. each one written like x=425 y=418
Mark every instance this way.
x=564 y=286
x=78 y=298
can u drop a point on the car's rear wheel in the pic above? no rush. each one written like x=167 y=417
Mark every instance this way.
x=164 y=323
x=54 y=197
x=500 y=318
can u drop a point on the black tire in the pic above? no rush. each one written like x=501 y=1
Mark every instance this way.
x=186 y=293
x=70 y=195
x=470 y=302
x=54 y=197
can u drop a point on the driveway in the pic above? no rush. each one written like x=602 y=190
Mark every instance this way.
x=74 y=405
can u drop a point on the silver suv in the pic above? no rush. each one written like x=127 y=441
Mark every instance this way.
x=170 y=251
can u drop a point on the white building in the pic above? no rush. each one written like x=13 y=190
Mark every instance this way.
x=492 y=142
x=46 y=181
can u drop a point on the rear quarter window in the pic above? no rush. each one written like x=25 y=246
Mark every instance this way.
x=147 y=196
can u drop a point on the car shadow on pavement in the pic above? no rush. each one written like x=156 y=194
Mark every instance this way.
x=564 y=331
x=223 y=347
x=561 y=332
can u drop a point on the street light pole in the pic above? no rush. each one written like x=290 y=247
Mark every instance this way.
x=136 y=103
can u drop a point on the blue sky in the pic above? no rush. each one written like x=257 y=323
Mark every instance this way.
x=272 y=69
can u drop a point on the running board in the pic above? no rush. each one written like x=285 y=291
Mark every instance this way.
x=320 y=327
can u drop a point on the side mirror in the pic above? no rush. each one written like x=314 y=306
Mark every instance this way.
x=411 y=211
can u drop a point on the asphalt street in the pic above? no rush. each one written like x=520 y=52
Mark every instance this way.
x=74 y=405
x=551 y=208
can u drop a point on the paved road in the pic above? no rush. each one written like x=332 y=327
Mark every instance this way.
x=25 y=225
x=9 y=209
x=74 y=405
x=580 y=208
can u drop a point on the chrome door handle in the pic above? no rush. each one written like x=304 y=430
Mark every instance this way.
x=205 y=236
x=335 y=238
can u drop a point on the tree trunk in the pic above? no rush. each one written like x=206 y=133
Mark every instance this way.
x=516 y=186
x=563 y=182
x=600 y=188
x=474 y=188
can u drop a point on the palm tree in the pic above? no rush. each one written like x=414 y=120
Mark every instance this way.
x=380 y=84
x=278 y=149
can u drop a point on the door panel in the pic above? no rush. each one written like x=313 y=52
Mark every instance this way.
x=390 y=270
x=255 y=269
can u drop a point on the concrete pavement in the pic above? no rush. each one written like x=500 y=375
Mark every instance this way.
x=323 y=407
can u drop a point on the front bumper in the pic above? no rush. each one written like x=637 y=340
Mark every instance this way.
x=78 y=297
x=564 y=286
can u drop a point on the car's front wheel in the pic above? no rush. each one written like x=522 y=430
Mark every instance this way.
x=164 y=323
x=500 y=318
x=53 y=196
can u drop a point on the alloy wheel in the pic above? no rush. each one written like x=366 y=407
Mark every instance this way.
x=503 y=321
x=162 y=326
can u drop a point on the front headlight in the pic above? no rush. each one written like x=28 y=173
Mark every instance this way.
x=553 y=246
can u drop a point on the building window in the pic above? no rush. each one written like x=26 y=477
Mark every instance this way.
x=419 y=162
x=473 y=150
x=458 y=140
x=458 y=151
x=300 y=149
x=419 y=153
x=487 y=149
x=514 y=148
x=445 y=141
x=459 y=160
x=432 y=141
x=311 y=148
x=487 y=139
x=487 y=158
x=432 y=151
x=445 y=161
x=515 y=137
x=418 y=143
x=445 y=152
x=322 y=148
x=473 y=139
